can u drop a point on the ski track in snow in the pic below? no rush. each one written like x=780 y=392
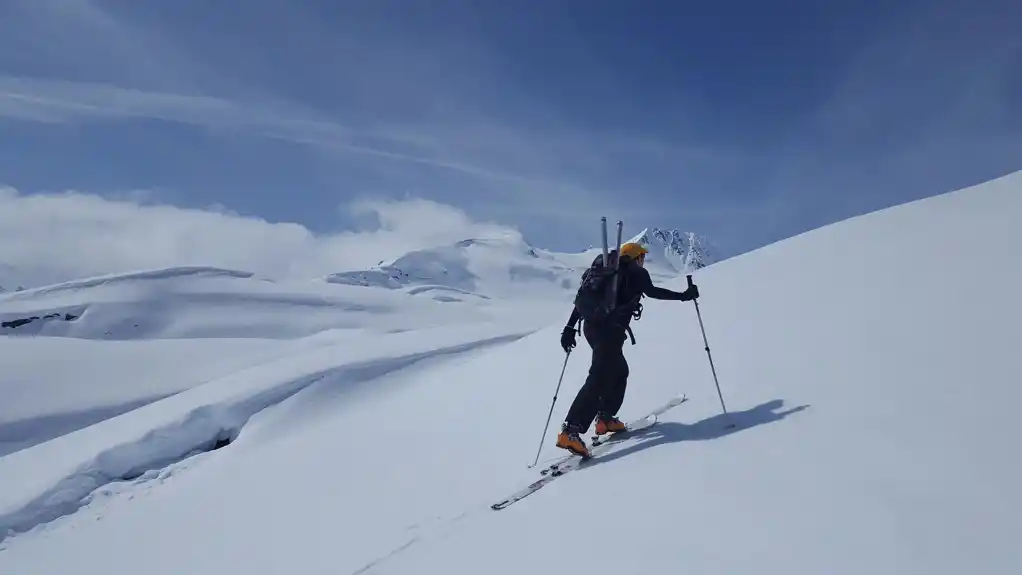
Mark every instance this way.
x=203 y=429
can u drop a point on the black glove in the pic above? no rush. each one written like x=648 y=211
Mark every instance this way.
x=690 y=294
x=568 y=338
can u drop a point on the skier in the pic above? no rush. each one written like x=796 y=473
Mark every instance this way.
x=603 y=392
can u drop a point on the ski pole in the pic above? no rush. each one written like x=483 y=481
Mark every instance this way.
x=708 y=355
x=552 y=403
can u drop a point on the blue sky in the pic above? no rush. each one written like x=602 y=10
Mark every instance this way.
x=745 y=121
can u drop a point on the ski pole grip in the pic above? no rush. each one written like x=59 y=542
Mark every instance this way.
x=689 y=277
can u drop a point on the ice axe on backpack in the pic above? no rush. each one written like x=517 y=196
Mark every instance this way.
x=710 y=357
x=617 y=252
x=612 y=297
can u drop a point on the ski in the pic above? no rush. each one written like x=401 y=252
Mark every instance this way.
x=597 y=441
x=631 y=427
x=573 y=461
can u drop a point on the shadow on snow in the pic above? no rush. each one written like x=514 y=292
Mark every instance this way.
x=714 y=427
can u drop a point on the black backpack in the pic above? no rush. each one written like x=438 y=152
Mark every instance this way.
x=594 y=299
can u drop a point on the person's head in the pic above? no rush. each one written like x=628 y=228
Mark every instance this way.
x=635 y=252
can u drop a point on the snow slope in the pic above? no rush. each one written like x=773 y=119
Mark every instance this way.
x=873 y=396
x=210 y=302
x=478 y=268
x=111 y=344
x=504 y=267
x=681 y=252
x=55 y=386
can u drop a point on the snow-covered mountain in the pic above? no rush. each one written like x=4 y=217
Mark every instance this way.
x=134 y=305
x=4 y=290
x=208 y=302
x=509 y=267
x=856 y=439
x=505 y=266
x=682 y=252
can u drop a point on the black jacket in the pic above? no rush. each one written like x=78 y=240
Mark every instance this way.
x=635 y=283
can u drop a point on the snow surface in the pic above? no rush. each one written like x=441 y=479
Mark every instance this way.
x=504 y=267
x=869 y=368
x=215 y=303
x=144 y=336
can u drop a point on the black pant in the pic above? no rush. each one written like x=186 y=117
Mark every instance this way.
x=604 y=388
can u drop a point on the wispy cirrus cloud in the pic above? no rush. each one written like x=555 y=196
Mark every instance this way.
x=523 y=169
x=548 y=120
x=63 y=102
x=437 y=118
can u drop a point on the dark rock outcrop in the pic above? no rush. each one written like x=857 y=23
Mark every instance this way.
x=15 y=323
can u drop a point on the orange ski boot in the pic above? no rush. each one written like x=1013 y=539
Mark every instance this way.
x=608 y=424
x=569 y=439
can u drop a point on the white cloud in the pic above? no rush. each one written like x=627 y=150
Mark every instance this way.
x=402 y=119
x=440 y=120
x=46 y=238
x=424 y=222
x=513 y=176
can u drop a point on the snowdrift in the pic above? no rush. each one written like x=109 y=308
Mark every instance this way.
x=56 y=477
x=867 y=368
x=54 y=386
